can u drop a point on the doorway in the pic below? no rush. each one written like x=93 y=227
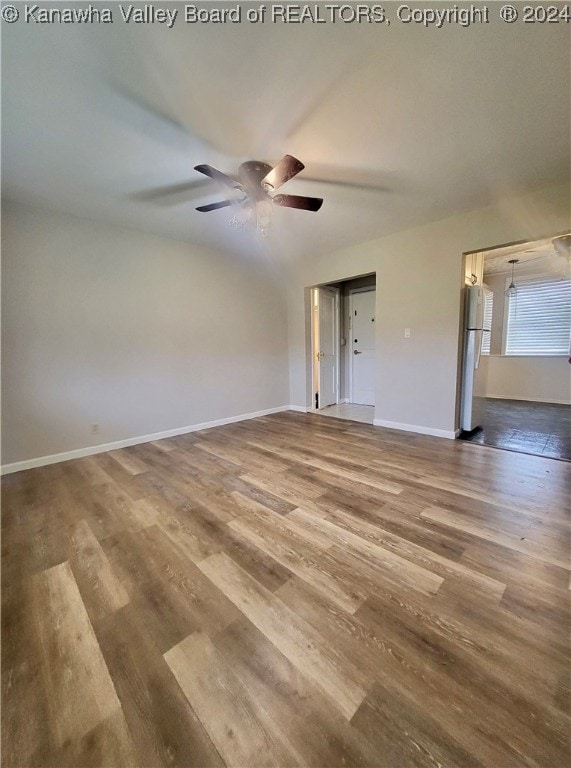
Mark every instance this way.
x=343 y=349
x=326 y=344
x=515 y=391
x=362 y=354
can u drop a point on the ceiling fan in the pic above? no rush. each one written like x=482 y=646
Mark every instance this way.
x=251 y=189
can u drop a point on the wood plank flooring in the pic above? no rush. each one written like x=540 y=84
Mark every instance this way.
x=287 y=591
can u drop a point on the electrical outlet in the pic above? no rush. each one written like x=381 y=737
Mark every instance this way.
x=407 y=333
x=95 y=429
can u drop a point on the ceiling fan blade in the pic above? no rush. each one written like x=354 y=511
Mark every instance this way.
x=217 y=175
x=298 y=201
x=348 y=184
x=286 y=169
x=173 y=194
x=214 y=206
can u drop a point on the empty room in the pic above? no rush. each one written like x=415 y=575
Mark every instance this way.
x=286 y=391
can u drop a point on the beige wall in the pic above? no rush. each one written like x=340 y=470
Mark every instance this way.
x=419 y=282
x=135 y=333
x=141 y=334
x=542 y=379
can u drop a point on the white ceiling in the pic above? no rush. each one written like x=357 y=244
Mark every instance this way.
x=539 y=256
x=437 y=121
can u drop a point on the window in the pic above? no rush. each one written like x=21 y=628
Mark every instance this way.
x=488 y=311
x=539 y=318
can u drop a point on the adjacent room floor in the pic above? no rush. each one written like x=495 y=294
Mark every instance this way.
x=350 y=411
x=290 y=590
x=543 y=429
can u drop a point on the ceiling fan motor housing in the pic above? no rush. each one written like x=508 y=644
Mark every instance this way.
x=251 y=173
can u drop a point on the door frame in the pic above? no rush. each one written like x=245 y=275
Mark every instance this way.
x=352 y=292
x=337 y=343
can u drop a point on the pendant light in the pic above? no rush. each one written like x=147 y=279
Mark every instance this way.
x=512 y=288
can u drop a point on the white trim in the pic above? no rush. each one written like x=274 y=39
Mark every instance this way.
x=344 y=400
x=530 y=399
x=314 y=309
x=337 y=344
x=79 y=453
x=315 y=364
x=299 y=408
x=450 y=434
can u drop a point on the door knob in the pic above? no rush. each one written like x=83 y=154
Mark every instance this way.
x=356 y=352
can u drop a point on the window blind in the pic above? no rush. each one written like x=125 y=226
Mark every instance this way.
x=488 y=312
x=539 y=318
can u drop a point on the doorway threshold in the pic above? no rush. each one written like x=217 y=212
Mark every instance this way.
x=349 y=411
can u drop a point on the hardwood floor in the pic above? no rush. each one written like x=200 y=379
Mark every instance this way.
x=291 y=590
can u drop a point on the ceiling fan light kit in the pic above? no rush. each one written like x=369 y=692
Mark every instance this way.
x=250 y=192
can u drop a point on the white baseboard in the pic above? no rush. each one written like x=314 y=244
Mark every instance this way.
x=529 y=399
x=79 y=453
x=450 y=434
x=343 y=400
x=299 y=408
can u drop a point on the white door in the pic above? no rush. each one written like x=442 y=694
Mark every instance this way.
x=327 y=347
x=363 y=347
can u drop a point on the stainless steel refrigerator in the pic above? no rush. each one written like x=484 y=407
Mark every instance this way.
x=473 y=379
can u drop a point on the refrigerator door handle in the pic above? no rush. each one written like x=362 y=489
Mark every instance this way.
x=478 y=350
